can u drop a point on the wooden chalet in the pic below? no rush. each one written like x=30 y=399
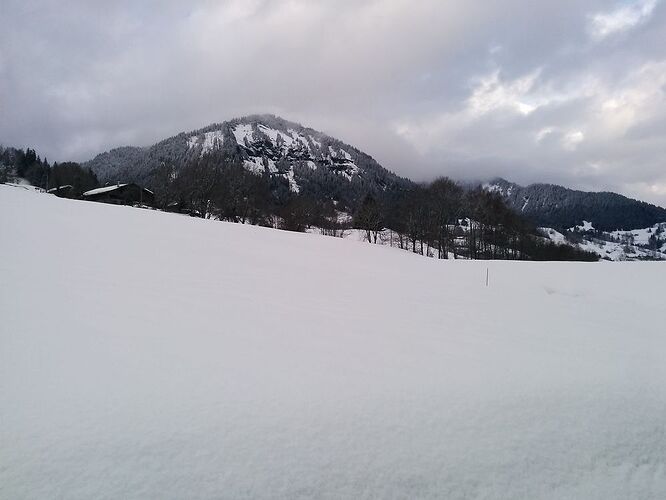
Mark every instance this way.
x=121 y=194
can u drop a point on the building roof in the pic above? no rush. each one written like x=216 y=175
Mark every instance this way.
x=104 y=189
x=107 y=189
x=53 y=190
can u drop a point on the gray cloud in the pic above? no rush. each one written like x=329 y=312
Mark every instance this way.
x=564 y=91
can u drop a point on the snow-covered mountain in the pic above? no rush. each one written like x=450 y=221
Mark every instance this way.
x=304 y=158
x=558 y=207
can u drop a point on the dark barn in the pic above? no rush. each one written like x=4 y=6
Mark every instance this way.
x=121 y=194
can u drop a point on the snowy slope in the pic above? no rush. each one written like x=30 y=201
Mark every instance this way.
x=642 y=236
x=615 y=245
x=151 y=355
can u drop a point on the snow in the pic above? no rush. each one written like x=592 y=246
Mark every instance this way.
x=297 y=137
x=271 y=166
x=56 y=189
x=211 y=140
x=255 y=164
x=616 y=245
x=641 y=236
x=343 y=217
x=585 y=226
x=553 y=235
x=293 y=185
x=104 y=189
x=274 y=134
x=496 y=188
x=351 y=168
x=23 y=184
x=292 y=141
x=149 y=355
x=242 y=131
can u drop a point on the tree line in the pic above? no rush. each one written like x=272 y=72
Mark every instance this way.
x=443 y=220
x=26 y=164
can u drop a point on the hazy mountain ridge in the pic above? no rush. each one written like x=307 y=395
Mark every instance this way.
x=550 y=205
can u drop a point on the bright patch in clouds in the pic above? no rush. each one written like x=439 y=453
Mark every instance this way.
x=494 y=94
x=639 y=97
x=569 y=140
x=658 y=189
x=543 y=133
x=572 y=139
x=621 y=19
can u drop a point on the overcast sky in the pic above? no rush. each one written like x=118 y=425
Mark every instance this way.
x=565 y=91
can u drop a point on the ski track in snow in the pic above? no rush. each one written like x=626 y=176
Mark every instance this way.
x=151 y=355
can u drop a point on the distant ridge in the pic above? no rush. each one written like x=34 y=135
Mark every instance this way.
x=555 y=206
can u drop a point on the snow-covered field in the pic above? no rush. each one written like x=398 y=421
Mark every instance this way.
x=151 y=355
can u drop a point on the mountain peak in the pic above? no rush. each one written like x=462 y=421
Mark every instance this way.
x=299 y=158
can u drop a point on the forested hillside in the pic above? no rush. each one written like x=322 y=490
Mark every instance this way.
x=26 y=165
x=561 y=208
x=291 y=158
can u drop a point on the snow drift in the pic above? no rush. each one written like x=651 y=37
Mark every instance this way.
x=151 y=355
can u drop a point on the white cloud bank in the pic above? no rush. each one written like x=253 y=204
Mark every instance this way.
x=621 y=19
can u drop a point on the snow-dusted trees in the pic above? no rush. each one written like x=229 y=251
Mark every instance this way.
x=196 y=185
x=27 y=164
x=164 y=186
x=370 y=218
x=217 y=186
x=442 y=219
x=72 y=174
x=242 y=196
x=444 y=200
